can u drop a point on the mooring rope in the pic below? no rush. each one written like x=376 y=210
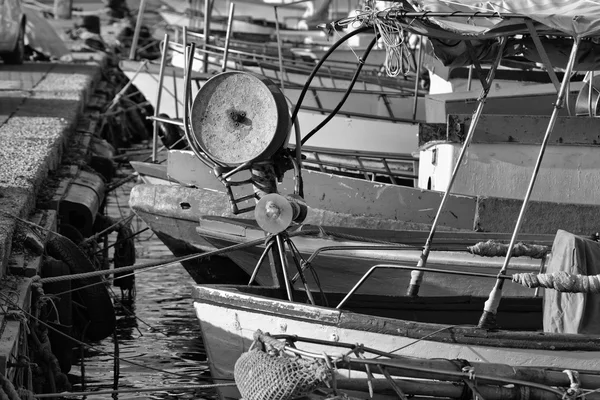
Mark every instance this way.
x=172 y=261
x=492 y=248
x=560 y=281
x=97 y=349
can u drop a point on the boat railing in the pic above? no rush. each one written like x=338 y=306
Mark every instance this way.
x=296 y=65
x=385 y=96
x=371 y=165
x=384 y=91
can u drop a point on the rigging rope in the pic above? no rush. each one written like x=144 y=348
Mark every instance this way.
x=398 y=55
x=172 y=261
x=560 y=281
x=97 y=349
x=492 y=248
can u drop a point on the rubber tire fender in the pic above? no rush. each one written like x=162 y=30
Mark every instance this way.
x=100 y=311
x=62 y=347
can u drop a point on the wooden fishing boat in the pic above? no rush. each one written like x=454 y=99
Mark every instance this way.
x=552 y=333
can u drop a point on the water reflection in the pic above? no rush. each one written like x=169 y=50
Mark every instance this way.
x=158 y=329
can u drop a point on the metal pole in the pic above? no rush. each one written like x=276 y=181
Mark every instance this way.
x=417 y=276
x=470 y=78
x=161 y=76
x=283 y=261
x=175 y=93
x=227 y=36
x=138 y=27
x=119 y=95
x=207 y=12
x=590 y=92
x=417 y=77
x=279 y=51
x=491 y=305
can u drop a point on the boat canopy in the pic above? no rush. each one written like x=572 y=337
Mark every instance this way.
x=577 y=18
x=450 y=24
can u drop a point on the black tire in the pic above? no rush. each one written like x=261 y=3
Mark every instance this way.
x=62 y=346
x=104 y=166
x=99 y=310
x=69 y=231
x=17 y=56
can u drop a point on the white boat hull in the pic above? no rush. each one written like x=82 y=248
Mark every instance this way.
x=228 y=326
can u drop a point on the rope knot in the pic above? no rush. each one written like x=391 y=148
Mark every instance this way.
x=471 y=371
x=573 y=391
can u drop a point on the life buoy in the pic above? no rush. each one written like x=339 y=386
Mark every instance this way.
x=99 y=312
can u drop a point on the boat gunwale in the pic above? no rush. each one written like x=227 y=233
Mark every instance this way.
x=229 y=296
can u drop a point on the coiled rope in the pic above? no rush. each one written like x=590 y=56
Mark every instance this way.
x=560 y=281
x=397 y=52
x=491 y=248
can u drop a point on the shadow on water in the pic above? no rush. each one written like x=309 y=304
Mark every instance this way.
x=158 y=330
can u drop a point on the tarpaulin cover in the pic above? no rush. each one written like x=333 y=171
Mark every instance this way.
x=573 y=312
x=579 y=18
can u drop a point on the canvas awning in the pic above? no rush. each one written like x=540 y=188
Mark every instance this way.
x=578 y=18
x=448 y=23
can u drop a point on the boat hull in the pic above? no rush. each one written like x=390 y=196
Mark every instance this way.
x=228 y=320
x=177 y=213
x=179 y=235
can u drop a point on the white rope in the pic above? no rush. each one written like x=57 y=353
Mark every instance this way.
x=392 y=37
x=397 y=52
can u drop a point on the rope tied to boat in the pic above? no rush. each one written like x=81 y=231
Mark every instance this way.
x=560 y=281
x=574 y=391
x=266 y=372
x=397 y=51
x=492 y=248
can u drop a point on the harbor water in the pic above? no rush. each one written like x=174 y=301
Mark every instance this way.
x=159 y=340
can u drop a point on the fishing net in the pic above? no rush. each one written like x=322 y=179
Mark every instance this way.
x=278 y=376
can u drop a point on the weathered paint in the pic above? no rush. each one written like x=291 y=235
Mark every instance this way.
x=522 y=100
x=524 y=129
x=228 y=331
x=342 y=197
x=541 y=217
x=568 y=173
x=152 y=173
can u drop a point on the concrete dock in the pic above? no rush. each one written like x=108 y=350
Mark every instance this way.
x=48 y=117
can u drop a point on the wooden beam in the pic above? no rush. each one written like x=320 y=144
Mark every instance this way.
x=523 y=129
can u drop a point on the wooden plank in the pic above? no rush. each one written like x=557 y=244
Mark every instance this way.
x=525 y=129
